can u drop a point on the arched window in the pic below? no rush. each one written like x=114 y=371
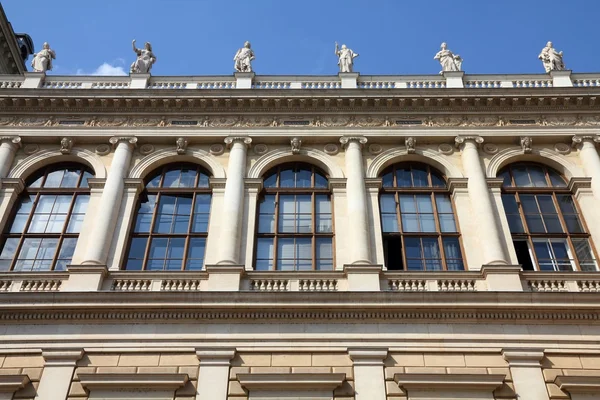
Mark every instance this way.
x=547 y=230
x=46 y=223
x=295 y=229
x=171 y=223
x=417 y=218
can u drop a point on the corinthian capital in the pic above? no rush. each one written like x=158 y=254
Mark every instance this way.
x=345 y=140
x=115 y=140
x=460 y=140
x=579 y=139
x=230 y=140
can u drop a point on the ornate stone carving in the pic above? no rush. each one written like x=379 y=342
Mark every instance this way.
x=146 y=149
x=230 y=140
x=448 y=60
x=66 y=144
x=181 y=145
x=577 y=140
x=490 y=148
x=275 y=123
x=93 y=121
x=331 y=148
x=31 y=148
x=42 y=61
x=410 y=143
x=375 y=149
x=345 y=140
x=243 y=58
x=102 y=149
x=345 y=58
x=217 y=149
x=146 y=122
x=113 y=121
x=296 y=143
x=445 y=148
x=145 y=59
x=460 y=140
x=526 y=143
x=132 y=140
x=14 y=141
x=260 y=149
x=562 y=148
x=5 y=121
x=552 y=60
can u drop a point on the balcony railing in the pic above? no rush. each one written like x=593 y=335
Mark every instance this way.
x=341 y=81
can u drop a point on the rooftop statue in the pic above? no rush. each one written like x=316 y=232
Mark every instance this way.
x=42 y=61
x=448 y=60
x=552 y=59
x=243 y=58
x=345 y=58
x=145 y=59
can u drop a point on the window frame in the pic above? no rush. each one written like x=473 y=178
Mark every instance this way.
x=431 y=191
x=553 y=192
x=278 y=191
x=160 y=191
x=37 y=192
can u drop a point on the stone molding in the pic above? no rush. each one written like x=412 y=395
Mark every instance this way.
x=373 y=183
x=215 y=356
x=96 y=183
x=255 y=184
x=578 y=384
x=142 y=381
x=217 y=183
x=523 y=357
x=310 y=155
x=337 y=183
x=62 y=357
x=364 y=356
x=487 y=382
x=433 y=158
x=42 y=158
x=495 y=183
x=291 y=381
x=164 y=156
x=16 y=184
x=457 y=185
x=549 y=157
x=578 y=183
x=12 y=383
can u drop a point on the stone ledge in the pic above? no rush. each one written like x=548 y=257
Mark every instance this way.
x=450 y=381
x=143 y=381
x=578 y=384
x=12 y=383
x=303 y=381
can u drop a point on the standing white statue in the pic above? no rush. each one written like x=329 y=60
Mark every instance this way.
x=448 y=60
x=145 y=59
x=552 y=59
x=345 y=58
x=243 y=58
x=42 y=60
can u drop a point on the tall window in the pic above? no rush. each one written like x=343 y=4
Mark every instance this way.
x=171 y=223
x=46 y=223
x=548 y=232
x=417 y=219
x=295 y=229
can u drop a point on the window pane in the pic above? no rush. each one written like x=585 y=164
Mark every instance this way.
x=270 y=181
x=142 y=223
x=285 y=248
x=529 y=204
x=324 y=223
x=303 y=178
x=81 y=203
x=546 y=204
x=447 y=223
x=266 y=223
x=163 y=224
x=389 y=223
x=38 y=223
x=521 y=176
x=202 y=203
x=505 y=175
x=387 y=203
x=303 y=248
x=181 y=223
x=137 y=247
x=158 y=248
x=154 y=182
x=552 y=223
x=403 y=177
x=535 y=224
x=410 y=223
x=287 y=204
x=427 y=223
x=56 y=223
x=324 y=248
x=420 y=177
x=562 y=255
x=19 y=223
x=407 y=203
x=54 y=179
x=65 y=254
x=437 y=181
x=84 y=180
x=584 y=255
x=443 y=203
x=70 y=179
x=424 y=203
x=510 y=203
x=544 y=255
x=188 y=178
x=304 y=204
x=184 y=205
x=388 y=180
x=538 y=177
x=167 y=204
x=320 y=181
x=45 y=204
x=303 y=223
x=171 y=179
x=286 y=178
x=412 y=247
x=197 y=248
x=8 y=252
x=431 y=248
x=556 y=179
x=322 y=204
x=267 y=205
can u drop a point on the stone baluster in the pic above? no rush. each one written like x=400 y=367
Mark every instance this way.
x=107 y=213
x=356 y=193
x=590 y=159
x=233 y=201
x=8 y=147
x=481 y=203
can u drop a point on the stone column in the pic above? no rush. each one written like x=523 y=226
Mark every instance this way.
x=233 y=201
x=58 y=372
x=8 y=147
x=590 y=159
x=481 y=203
x=526 y=372
x=356 y=194
x=213 y=376
x=369 y=378
x=107 y=213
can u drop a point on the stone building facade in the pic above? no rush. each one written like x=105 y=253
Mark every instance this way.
x=300 y=237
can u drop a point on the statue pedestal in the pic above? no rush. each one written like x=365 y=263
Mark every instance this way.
x=561 y=78
x=454 y=79
x=139 y=81
x=243 y=80
x=33 y=80
x=348 y=79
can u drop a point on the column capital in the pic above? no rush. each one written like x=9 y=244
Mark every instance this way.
x=65 y=357
x=230 y=140
x=215 y=356
x=523 y=357
x=14 y=141
x=579 y=139
x=115 y=140
x=461 y=140
x=345 y=140
x=368 y=356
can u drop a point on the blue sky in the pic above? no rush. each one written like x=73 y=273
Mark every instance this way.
x=194 y=37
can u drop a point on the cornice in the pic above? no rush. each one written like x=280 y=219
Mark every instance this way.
x=334 y=307
x=148 y=381
x=289 y=381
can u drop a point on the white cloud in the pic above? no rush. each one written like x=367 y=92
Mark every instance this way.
x=105 y=69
